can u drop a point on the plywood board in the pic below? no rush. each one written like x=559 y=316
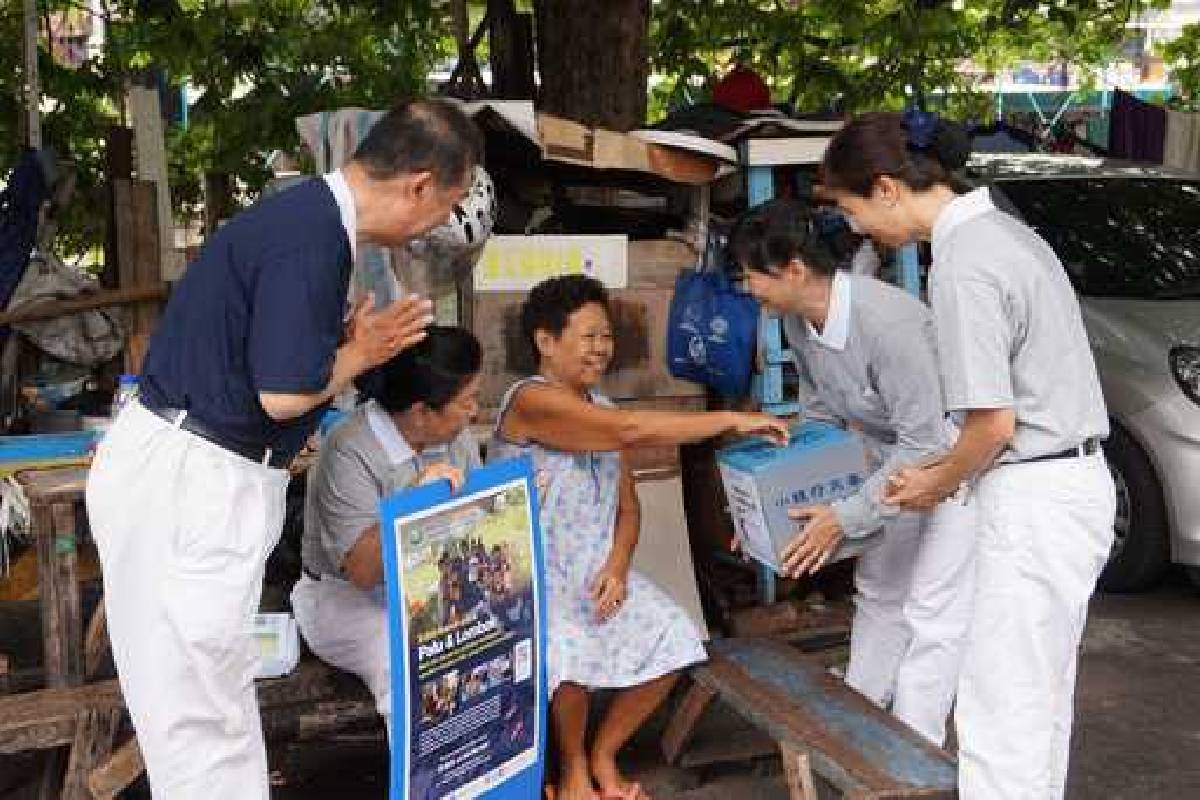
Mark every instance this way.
x=639 y=368
x=663 y=553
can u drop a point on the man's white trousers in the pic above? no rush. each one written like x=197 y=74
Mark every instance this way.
x=184 y=528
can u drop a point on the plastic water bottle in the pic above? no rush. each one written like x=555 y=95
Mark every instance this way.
x=127 y=391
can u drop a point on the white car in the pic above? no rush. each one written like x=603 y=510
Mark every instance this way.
x=1129 y=236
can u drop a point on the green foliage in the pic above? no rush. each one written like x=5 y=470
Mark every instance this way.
x=852 y=55
x=253 y=67
x=1183 y=60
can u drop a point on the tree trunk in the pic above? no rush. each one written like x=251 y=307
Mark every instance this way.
x=511 y=39
x=593 y=60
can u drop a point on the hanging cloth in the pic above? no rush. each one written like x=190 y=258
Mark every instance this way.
x=19 y=205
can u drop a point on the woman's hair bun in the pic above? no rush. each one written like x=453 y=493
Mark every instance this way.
x=951 y=146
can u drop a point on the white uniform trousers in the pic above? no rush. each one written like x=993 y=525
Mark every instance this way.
x=1045 y=534
x=347 y=628
x=183 y=529
x=913 y=594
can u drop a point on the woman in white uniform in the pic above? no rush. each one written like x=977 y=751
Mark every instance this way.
x=867 y=360
x=1014 y=357
x=412 y=430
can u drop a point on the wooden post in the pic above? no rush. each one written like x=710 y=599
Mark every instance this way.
x=95 y=642
x=118 y=165
x=94 y=733
x=50 y=785
x=152 y=166
x=683 y=722
x=31 y=84
x=218 y=200
x=62 y=633
x=52 y=309
x=462 y=25
x=798 y=773
x=511 y=40
x=113 y=776
x=138 y=254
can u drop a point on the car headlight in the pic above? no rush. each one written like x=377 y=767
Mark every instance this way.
x=1185 y=366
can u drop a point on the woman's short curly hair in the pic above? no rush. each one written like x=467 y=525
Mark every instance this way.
x=551 y=303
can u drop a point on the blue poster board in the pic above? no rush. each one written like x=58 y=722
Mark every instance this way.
x=466 y=619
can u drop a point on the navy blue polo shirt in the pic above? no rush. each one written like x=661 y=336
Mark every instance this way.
x=260 y=310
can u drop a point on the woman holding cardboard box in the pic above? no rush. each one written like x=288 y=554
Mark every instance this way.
x=1014 y=359
x=866 y=359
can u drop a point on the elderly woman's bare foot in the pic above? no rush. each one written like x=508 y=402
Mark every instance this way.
x=613 y=785
x=575 y=784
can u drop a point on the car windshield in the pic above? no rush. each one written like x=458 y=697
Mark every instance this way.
x=1118 y=236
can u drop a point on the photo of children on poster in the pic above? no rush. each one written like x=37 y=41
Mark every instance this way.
x=467 y=570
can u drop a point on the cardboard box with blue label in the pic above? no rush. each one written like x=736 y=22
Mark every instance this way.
x=821 y=464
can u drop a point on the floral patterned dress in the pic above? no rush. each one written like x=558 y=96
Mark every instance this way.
x=650 y=635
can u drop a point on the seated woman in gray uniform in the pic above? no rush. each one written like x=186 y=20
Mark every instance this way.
x=867 y=359
x=411 y=430
x=609 y=627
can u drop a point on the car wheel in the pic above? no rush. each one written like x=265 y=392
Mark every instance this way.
x=1141 y=549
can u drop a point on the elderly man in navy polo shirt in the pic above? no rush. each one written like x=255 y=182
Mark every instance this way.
x=186 y=494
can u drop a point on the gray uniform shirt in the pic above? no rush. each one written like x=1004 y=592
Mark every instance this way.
x=1009 y=329
x=364 y=459
x=874 y=364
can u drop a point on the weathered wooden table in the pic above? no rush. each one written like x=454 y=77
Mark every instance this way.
x=313 y=701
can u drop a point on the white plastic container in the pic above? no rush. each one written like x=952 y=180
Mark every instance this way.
x=278 y=644
x=127 y=392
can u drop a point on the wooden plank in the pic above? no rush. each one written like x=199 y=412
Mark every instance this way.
x=300 y=723
x=53 y=768
x=656 y=263
x=683 y=722
x=150 y=149
x=95 y=642
x=93 y=742
x=783 y=721
x=852 y=743
x=139 y=258
x=787 y=619
x=31 y=84
x=304 y=722
x=116 y=773
x=66 y=591
x=639 y=365
x=44 y=487
x=118 y=164
x=52 y=309
x=55 y=657
x=798 y=773
x=46 y=719
x=746 y=746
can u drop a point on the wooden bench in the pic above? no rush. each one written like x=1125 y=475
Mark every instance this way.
x=313 y=701
x=820 y=725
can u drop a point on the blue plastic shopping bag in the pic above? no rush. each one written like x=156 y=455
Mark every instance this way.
x=712 y=326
